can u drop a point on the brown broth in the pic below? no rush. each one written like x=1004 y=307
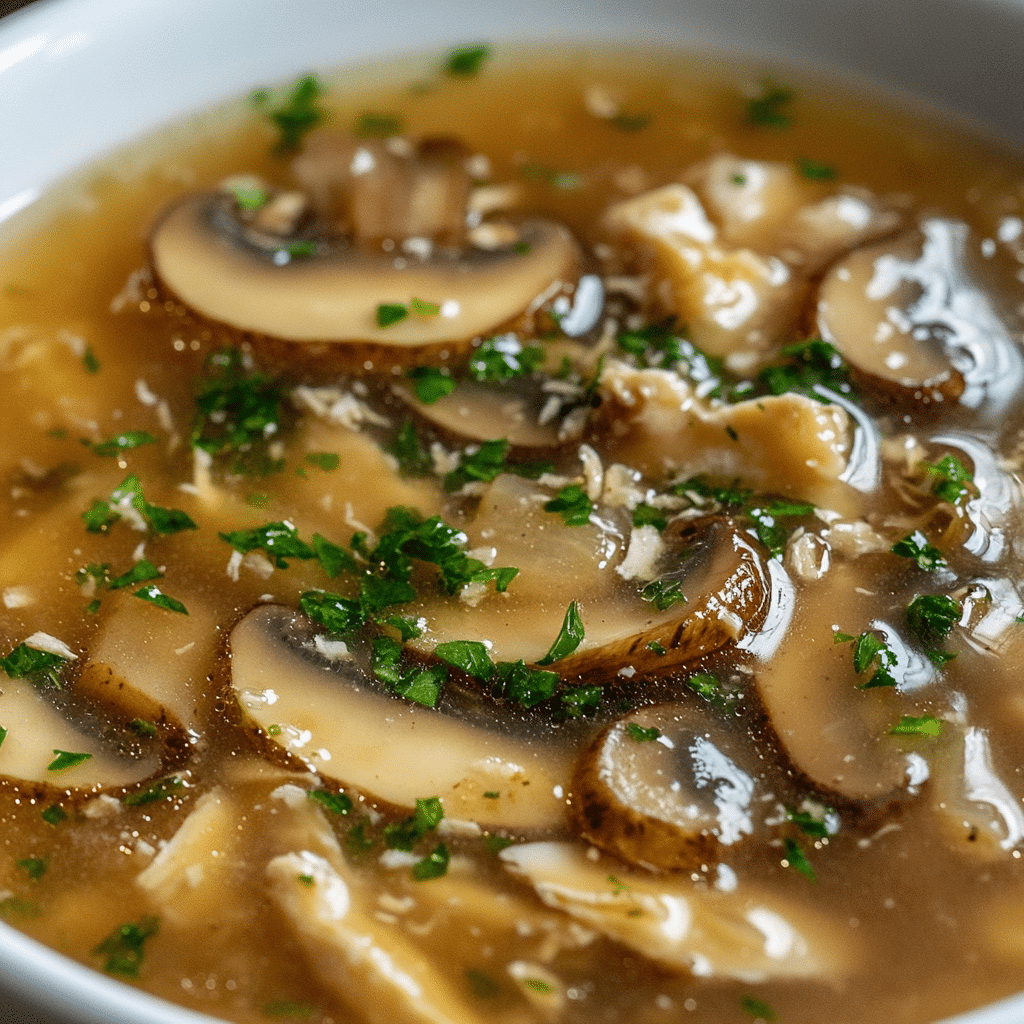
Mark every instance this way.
x=936 y=927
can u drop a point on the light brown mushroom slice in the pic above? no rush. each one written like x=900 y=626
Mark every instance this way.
x=667 y=787
x=354 y=954
x=36 y=731
x=329 y=717
x=912 y=320
x=746 y=934
x=833 y=732
x=333 y=295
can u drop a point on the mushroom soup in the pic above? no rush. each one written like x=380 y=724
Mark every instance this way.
x=532 y=541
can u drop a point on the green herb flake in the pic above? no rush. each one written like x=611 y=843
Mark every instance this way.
x=34 y=867
x=390 y=313
x=412 y=455
x=297 y=115
x=481 y=984
x=758 y=1009
x=19 y=908
x=949 y=480
x=581 y=701
x=924 y=725
x=570 y=636
x=504 y=358
x=771 y=106
x=806 y=367
x=466 y=62
x=375 y=125
x=357 y=841
x=797 y=860
x=916 y=547
x=404 y=835
x=629 y=122
x=326 y=461
x=641 y=734
x=279 y=541
x=128 y=494
x=54 y=814
x=656 y=648
x=423 y=307
x=143 y=728
x=121 y=443
x=538 y=985
x=89 y=360
x=469 y=656
x=162 y=789
x=333 y=558
x=930 y=617
x=249 y=195
x=154 y=595
x=813 y=170
x=3 y=735
x=812 y=825
x=306 y=880
x=123 y=948
x=42 y=667
x=66 y=759
x=495 y=844
x=572 y=504
x=336 y=803
x=283 y=1009
x=434 y=865
x=335 y=613
x=648 y=515
x=142 y=572
x=663 y=594
x=431 y=383
x=523 y=685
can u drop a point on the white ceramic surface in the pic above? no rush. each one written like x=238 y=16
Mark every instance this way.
x=78 y=77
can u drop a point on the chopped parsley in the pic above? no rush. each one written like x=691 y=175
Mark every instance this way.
x=915 y=546
x=154 y=595
x=488 y=460
x=412 y=455
x=39 y=667
x=66 y=759
x=142 y=572
x=871 y=653
x=572 y=504
x=336 y=803
x=54 y=814
x=811 y=824
x=806 y=366
x=128 y=501
x=923 y=725
x=758 y=1009
x=663 y=594
x=930 y=617
x=391 y=313
x=121 y=443
x=279 y=541
x=797 y=859
x=570 y=636
x=949 y=480
x=296 y=116
x=415 y=683
x=481 y=984
x=238 y=409
x=162 y=789
x=431 y=383
x=404 y=835
x=648 y=515
x=771 y=107
x=581 y=701
x=122 y=950
x=34 y=867
x=813 y=170
x=89 y=360
x=434 y=865
x=504 y=358
x=772 y=533
x=642 y=734
x=466 y=62
x=523 y=685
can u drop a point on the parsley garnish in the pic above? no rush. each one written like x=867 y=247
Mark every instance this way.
x=570 y=636
x=524 y=685
x=128 y=494
x=278 y=540
x=162 y=789
x=581 y=700
x=404 y=835
x=123 y=948
x=924 y=725
x=431 y=383
x=66 y=759
x=416 y=683
x=143 y=571
x=797 y=859
x=487 y=461
x=648 y=515
x=870 y=653
x=327 y=461
x=815 y=171
x=915 y=545
x=572 y=504
x=949 y=480
x=807 y=364
x=34 y=867
x=640 y=734
x=481 y=984
x=121 y=443
x=770 y=532
x=504 y=358
x=391 y=313
x=770 y=108
x=54 y=814
x=434 y=865
x=466 y=62
x=336 y=803
x=758 y=1009
x=413 y=457
x=89 y=360
x=154 y=595
x=663 y=594
x=237 y=410
x=296 y=116
x=469 y=656
x=42 y=667
x=813 y=825
x=930 y=617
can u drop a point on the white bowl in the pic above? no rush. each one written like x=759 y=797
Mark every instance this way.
x=79 y=77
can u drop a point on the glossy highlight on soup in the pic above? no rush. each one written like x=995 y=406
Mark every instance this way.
x=522 y=537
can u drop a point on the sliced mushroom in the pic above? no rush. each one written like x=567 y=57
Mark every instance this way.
x=785 y=444
x=667 y=787
x=330 y=717
x=913 y=319
x=355 y=955
x=833 y=732
x=681 y=927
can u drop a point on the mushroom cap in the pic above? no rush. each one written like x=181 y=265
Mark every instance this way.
x=202 y=258
x=666 y=786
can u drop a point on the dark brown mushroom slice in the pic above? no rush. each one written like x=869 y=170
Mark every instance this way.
x=716 y=589
x=308 y=705
x=668 y=787
x=320 y=301
x=913 y=321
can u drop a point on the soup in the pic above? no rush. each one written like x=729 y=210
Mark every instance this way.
x=532 y=538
